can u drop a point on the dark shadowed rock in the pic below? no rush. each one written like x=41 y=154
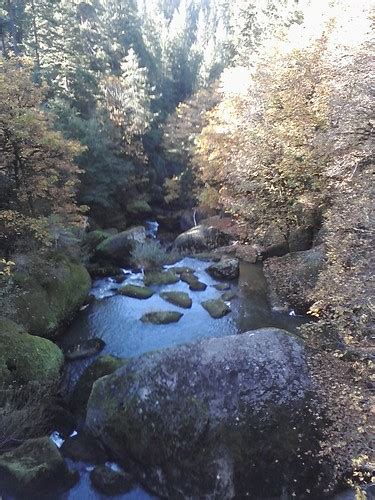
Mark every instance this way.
x=226 y=417
x=226 y=268
x=197 y=286
x=33 y=468
x=200 y=239
x=111 y=482
x=216 y=308
x=180 y=299
x=161 y=317
x=84 y=448
x=292 y=278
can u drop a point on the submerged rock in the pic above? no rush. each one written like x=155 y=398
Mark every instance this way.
x=180 y=299
x=103 y=365
x=222 y=287
x=159 y=278
x=226 y=268
x=111 y=482
x=84 y=349
x=201 y=238
x=162 y=317
x=216 y=308
x=118 y=248
x=26 y=358
x=228 y=417
x=33 y=468
x=197 y=286
x=136 y=292
x=228 y=296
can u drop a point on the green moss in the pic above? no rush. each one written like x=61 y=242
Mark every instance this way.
x=216 y=308
x=48 y=299
x=160 y=278
x=180 y=299
x=136 y=292
x=104 y=365
x=138 y=207
x=161 y=317
x=25 y=358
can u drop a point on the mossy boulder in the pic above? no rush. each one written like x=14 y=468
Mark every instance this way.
x=111 y=482
x=104 y=365
x=139 y=208
x=92 y=239
x=159 y=278
x=26 y=358
x=226 y=417
x=50 y=297
x=216 y=308
x=136 y=292
x=117 y=249
x=197 y=286
x=161 y=317
x=33 y=469
x=222 y=287
x=180 y=299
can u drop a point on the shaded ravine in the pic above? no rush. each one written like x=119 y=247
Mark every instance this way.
x=116 y=320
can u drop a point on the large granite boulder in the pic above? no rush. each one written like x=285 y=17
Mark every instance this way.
x=200 y=239
x=226 y=417
x=49 y=296
x=34 y=469
x=26 y=358
x=291 y=279
x=117 y=249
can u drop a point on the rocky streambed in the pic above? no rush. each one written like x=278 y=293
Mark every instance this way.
x=183 y=383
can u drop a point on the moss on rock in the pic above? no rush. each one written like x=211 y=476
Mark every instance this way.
x=162 y=317
x=180 y=299
x=136 y=292
x=48 y=299
x=25 y=358
x=161 y=278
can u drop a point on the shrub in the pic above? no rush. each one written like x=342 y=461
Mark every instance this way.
x=151 y=255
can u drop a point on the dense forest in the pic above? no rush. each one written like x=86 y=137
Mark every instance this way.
x=248 y=122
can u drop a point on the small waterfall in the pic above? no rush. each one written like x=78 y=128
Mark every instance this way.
x=195 y=217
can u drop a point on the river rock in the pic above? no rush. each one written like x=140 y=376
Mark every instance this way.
x=49 y=296
x=111 y=482
x=227 y=417
x=228 y=296
x=162 y=317
x=103 y=271
x=201 y=238
x=118 y=248
x=159 y=278
x=84 y=448
x=181 y=270
x=222 y=287
x=103 y=365
x=216 y=308
x=136 y=292
x=27 y=358
x=291 y=279
x=226 y=268
x=180 y=299
x=84 y=349
x=34 y=468
x=197 y=286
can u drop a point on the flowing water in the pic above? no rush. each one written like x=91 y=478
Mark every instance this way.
x=116 y=319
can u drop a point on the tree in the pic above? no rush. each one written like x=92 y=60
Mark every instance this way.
x=38 y=176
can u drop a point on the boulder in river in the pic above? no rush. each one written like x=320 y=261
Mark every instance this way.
x=159 y=278
x=111 y=482
x=197 y=286
x=136 y=292
x=216 y=308
x=222 y=287
x=180 y=299
x=226 y=417
x=226 y=268
x=117 y=248
x=33 y=468
x=161 y=317
x=26 y=358
x=84 y=349
x=201 y=238
x=292 y=278
x=103 y=365
x=49 y=297
x=228 y=296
